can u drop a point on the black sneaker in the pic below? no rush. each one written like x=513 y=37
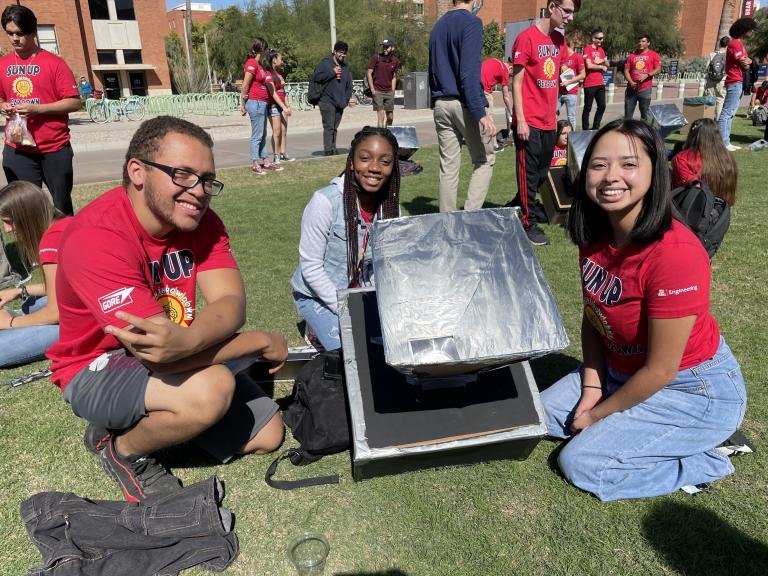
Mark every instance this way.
x=737 y=445
x=536 y=235
x=96 y=438
x=139 y=479
x=284 y=158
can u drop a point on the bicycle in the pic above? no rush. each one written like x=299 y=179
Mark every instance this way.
x=107 y=110
x=358 y=92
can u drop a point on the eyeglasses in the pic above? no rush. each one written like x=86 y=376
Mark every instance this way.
x=187 y=179
x=565 y=11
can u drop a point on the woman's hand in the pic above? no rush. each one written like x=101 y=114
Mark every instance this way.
x=287 y=111
x=9 y=295
x=5 y=319
x=590 y=397
x=584 y=421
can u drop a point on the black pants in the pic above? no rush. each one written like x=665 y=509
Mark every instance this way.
x=164 y=535
x=532 y=162
x=52 y=168
x=331 y=119
x=632 y=98
x=597 y=94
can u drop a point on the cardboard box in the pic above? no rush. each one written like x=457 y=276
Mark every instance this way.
x=557 y=195
x=692 y=113
x=400 y=424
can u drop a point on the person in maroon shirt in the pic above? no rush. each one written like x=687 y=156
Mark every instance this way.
x=39 y=87
x=382 y=78
x=639 y=71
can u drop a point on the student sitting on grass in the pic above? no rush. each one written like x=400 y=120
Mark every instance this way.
x=659 y=389
x=335 y=230
x=560 y=155
x=28 y=212
x=704 y=157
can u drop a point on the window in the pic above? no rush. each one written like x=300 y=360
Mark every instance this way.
x=107 y=56
x=99 y=9
x=46 y=38
x=125 y=10
x=132 y=56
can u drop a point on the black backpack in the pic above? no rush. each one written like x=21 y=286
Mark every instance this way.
x=317 y=417
x=316 y=88
x=704 y=213
x=716 y=67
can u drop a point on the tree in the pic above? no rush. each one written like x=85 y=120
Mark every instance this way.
x=493 y=41
x=183 y=79
x=757 y=43
x=624 y=21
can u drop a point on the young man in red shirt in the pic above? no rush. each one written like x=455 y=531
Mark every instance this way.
x=39 y=87
x=136 y=358
x=639 y=70
x=736 y=62
x=382 y=78
x=569 y=87
x=594 y=85
x=538 y=54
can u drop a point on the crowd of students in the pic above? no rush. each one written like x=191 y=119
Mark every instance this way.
x=656 y=394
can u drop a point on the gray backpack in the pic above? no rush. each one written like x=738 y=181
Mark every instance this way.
x=716 y=67
x=759 y=116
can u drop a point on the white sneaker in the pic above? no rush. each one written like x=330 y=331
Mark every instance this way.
x=732 y=148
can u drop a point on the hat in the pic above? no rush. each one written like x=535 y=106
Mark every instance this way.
x=387 y=42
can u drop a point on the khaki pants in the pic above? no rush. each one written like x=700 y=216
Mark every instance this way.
x=716 y=89
x=455 y=124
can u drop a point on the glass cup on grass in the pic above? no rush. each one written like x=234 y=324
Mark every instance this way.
x=308 y=552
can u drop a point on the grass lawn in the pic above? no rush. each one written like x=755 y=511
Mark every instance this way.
x=491 y=519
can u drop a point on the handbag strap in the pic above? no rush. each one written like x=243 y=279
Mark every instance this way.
x=297 y=458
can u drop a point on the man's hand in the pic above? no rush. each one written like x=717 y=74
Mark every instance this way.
x=632 y=84
x=5 y=319
x=523 y=132
x=6 y=109
x=487 y=126
x=276 y=351
x=9 y=295
x=156 y=340
x=28 y=109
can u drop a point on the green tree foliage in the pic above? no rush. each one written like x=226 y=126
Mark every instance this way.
x=493 y=41
x=299 y=29
x=757 y=43
x=624 y=21
x=184 y=79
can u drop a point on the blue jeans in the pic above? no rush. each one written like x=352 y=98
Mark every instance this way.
x=658 y=446
x=257 y=111
x=323 y=321
x=570 y=101
x=730 y=106
x=29 y=343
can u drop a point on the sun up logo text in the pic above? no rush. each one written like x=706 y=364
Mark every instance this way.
x=116 y=299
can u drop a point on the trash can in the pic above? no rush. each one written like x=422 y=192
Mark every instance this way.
x=416 y=91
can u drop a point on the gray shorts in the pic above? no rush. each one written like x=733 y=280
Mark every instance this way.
x=110 y=393
x=384 y=101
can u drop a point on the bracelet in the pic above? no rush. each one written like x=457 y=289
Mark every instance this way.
x=24 y=294
x=588 y=386
x=10 y=324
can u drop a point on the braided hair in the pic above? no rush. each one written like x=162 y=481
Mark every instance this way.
x=388 y=197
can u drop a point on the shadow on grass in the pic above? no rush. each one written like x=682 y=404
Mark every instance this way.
x=550 y=368
x=420 y=205
x=393 y=572
x=697 y=541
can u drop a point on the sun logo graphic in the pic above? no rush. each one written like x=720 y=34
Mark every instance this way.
x=549 y=68
x=176 y=306
x=640 y=65
x=598 y=320
x=22 y=87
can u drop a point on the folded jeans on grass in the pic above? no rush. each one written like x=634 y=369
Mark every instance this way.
x=162 y=536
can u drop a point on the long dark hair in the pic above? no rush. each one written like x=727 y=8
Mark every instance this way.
x=718 y=168
x=269 y=59
x=588 y=223
x=388 y=197
x=259 y=46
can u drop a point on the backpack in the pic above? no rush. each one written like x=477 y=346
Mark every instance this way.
x=317 y=417
x=704 y=213
x=716 y=67
x=759 y=116
x=316 y=88
x=367 y=87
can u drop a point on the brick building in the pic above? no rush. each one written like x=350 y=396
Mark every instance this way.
x=699 y=19
x=201 y=12
x=115 y=44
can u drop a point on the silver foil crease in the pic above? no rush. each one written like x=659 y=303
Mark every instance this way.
x=666 y=118
x=461 y=291
x=407 y=140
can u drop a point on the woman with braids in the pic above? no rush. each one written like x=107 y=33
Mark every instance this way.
x=278 y=109
x=335 y=231
x=658 y=389
x=28 y=212
x=255 y=98
x=704 y=157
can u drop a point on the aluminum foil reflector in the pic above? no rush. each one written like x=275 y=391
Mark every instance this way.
x=666 y=118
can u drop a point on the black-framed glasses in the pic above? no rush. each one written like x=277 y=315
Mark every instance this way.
x=565 y=11
x=187 y=179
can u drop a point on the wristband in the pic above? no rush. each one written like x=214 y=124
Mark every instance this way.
x=588 y=386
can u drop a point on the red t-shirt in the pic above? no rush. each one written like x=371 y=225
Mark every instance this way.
x=686 y=165
x=761 y=96
x=541 y=55
x=109 y=262
x=258 y=89
x=277 y=80
x=43 y=78
x=493 y=71
x=51 y=240
x=733 y=70
x=559 y=157
x=644 y=63
x=573 y=62
x=624 y=287
x=594 y=77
